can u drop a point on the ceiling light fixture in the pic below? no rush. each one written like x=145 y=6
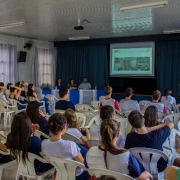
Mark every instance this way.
x=79 y=38
x=171 y=31
x=4 y=26
x=146 y=5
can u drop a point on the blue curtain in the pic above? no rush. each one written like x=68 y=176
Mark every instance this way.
x=83 y=61
x=168 y=66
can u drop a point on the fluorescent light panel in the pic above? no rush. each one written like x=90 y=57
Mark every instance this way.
x=4 y=26
x=79 y=38
x=171 y=31
x=146 y=5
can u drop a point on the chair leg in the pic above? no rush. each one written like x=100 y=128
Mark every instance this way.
x=1 y=173
x=5 y=119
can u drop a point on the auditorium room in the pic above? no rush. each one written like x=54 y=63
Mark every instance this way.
x=89 y=90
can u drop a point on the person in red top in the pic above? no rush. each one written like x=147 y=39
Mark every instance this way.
x=108 y=100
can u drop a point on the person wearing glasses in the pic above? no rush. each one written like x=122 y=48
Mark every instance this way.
x=63 y=104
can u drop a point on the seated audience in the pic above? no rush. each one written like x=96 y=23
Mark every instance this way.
x=63 y=103
x=21 y=139
x=151 y=116
x=172 y=173
x=153 y=137
x=59 y=84
x=72 y=85
x=31 y=92
x=85 y=85
x=15 y=92
x=73 y=127
x=108 y=100
x=37 y=116
x=23 y=92
x=109 y=156
x=129 y=104
x=2 y=93
x=156 y=95
x=57 y=147
x=106 y=112
x=168 y=98
x=8 y=89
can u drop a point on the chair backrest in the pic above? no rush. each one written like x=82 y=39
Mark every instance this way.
x=98 y=172
x=65 y=168
x=95 y=104
x=84 y=108
x=59 y=111
x=14 y=103
x=101 y=98
x=126 y=113
x=70 y=137
x=81 y=119
x=96 y=118
x=161 y=116
x=40 y=133
x=2 y=105
x=50 y=98
x=171 y=107
x=144 y=102
x=125 y=126
x=28 y=169
x=31 y=98
x=21 y=98
x=93 y=142
x=3 y=138
x=149 y=158
x=142 y=107
x=175 y=118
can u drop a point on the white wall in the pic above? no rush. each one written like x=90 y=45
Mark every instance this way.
x=24 y=69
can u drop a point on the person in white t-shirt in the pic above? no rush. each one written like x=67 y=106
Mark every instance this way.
x=156 y=95
x=106 y=112
x=129 y=104
x=109 y=156
x=55 y=146
x=73 y=127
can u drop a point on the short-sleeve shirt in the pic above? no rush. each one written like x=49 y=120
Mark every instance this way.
x=125 y=163
x=64 y=105
x=61 y=149
x=129 y=104
x=85 y=86
x=110 y=102
x=154 y=140
x=168 y=99
x=161 y=107
x=75 y=132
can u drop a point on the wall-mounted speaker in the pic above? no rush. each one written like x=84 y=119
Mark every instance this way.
x=22 y=56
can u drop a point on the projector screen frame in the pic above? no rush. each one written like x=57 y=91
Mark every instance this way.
x=149 y=44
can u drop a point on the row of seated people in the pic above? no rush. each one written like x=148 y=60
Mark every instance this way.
x=109 y=154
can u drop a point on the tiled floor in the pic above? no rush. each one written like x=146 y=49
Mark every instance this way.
x=9 y=173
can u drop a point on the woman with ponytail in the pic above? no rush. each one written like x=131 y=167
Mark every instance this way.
x=109 y=156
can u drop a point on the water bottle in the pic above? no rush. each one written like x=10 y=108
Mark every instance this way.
x=95 y=87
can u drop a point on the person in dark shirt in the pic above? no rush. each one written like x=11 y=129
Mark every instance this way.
x=152 y=137
x=63 y=104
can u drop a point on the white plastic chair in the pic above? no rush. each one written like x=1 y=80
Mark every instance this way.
x=93 y=142
x=171 y=107
x=126 y=113
x=6 y=111
x=161 y=116
x=40 y=133
x=84 y=108
x=116 y=112
x=98 y=172
x=16 y=103
x=81 y=119
x=149 y=158
x=65 y=168
x=95 y=104
x=31 y=98
x=27 y=170
x=59 y=111
x=175 y=118
x=4 y=165
x=70 y=137
x=52 y=101
x=144 y=102
x=89 y=115
x=3 y=138
x=101 y=98
x=21 y=98
x=96 y=118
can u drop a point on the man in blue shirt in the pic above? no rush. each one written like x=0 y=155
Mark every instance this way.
x=85 y=85
x=63 y=104
x=152 y=137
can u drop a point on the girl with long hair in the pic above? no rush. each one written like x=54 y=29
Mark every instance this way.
x=109 y=156
x=37 y=116
x=151 y=116
x=21 y=141
x=31 y=91
x=71 y=84
x=73 y=127
x=59 y=84
x=57 y=147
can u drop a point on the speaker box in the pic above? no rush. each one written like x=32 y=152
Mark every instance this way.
x=22 y=56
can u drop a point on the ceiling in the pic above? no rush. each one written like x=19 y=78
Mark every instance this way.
x=54 y=20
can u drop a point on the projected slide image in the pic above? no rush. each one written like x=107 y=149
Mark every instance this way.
x=139 y=64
